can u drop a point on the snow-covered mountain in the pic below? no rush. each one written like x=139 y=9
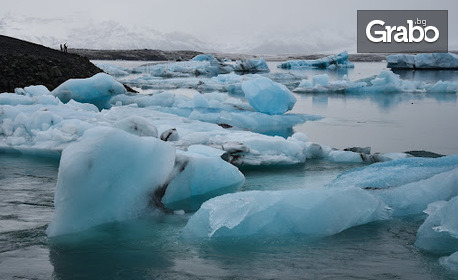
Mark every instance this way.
x=90 y=34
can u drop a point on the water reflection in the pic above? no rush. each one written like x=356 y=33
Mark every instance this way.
x=384 y=101
x=127 y=250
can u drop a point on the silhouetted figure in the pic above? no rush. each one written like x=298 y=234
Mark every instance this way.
x=65 y=48
x=61 y=48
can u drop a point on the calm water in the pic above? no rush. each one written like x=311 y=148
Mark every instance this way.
x=151 y=248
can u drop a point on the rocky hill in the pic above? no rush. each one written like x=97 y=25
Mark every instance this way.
x=23 y=64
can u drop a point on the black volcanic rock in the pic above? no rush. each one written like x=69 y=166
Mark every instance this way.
x=23 y=64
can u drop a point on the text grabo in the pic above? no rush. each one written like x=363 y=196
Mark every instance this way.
x=401 y=33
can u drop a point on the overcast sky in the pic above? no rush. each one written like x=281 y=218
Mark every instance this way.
x=229 y=22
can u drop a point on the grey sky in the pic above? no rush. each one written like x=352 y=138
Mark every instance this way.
x=229 y=22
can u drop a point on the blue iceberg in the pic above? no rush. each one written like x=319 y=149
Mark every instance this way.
x=313 y=213
x=439 y=232
x=251 y=66
x=423 y=61
x=97 y=90
x=267 y=96
x=107 y=176
x=333 y=61
x=385 y=82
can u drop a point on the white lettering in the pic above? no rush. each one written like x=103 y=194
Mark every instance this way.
x=369 y=34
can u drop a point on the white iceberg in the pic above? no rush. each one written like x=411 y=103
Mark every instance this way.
x=439 y=232
x=107 y=176
x=204 y=175
x=43 y=125
x=310 y=212
x=423 y=61
x=385 y=82
x=251 y=66
x=96 y=90
x=267 y=96
x=218 y=108
x=339 y=60
x=202 y=65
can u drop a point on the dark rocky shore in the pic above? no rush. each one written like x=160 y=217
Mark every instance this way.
x=23 y=64
x=142 y=55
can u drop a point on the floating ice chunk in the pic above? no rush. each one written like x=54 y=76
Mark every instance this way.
x=450 y=262
x=320 y=83
x=202 y=65
x=204 y=176
x=107 y=176
x=395 y=173
x=267 y=96
x=401 y=61
x=251 y=66
x=36 y=90
x=340 y=61
x=311 y=212
x=322 y=79
x=96 y=90
x=442 y=87
x=439 y=232
x=414 y=197
x=204 y=57
x=113 y=69
x=385 y=82
x=423 y=61
x=137 y=125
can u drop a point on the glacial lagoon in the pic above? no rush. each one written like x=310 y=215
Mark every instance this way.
x=152 y=247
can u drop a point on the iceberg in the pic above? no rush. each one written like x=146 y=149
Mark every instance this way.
x=201 y=65
x=137 y=125
x=439 y=232
x=414 y=197
x=113 y=69
x=204 y=57
x=395 y=173
x=96 y=90
x=41 y=124
x=204 y=175
x=251 y=66
x=406 y=185
x=313 y=213
x=333 y=61
x=423 y=61
x=450 y=262
x=267 y=96
x=108 y=175
x=385 y=82
x=218 y=108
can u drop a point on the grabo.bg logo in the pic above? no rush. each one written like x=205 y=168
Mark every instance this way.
x=402 y=31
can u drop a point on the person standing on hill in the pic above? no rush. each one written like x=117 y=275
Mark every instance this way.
x=65 y=48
